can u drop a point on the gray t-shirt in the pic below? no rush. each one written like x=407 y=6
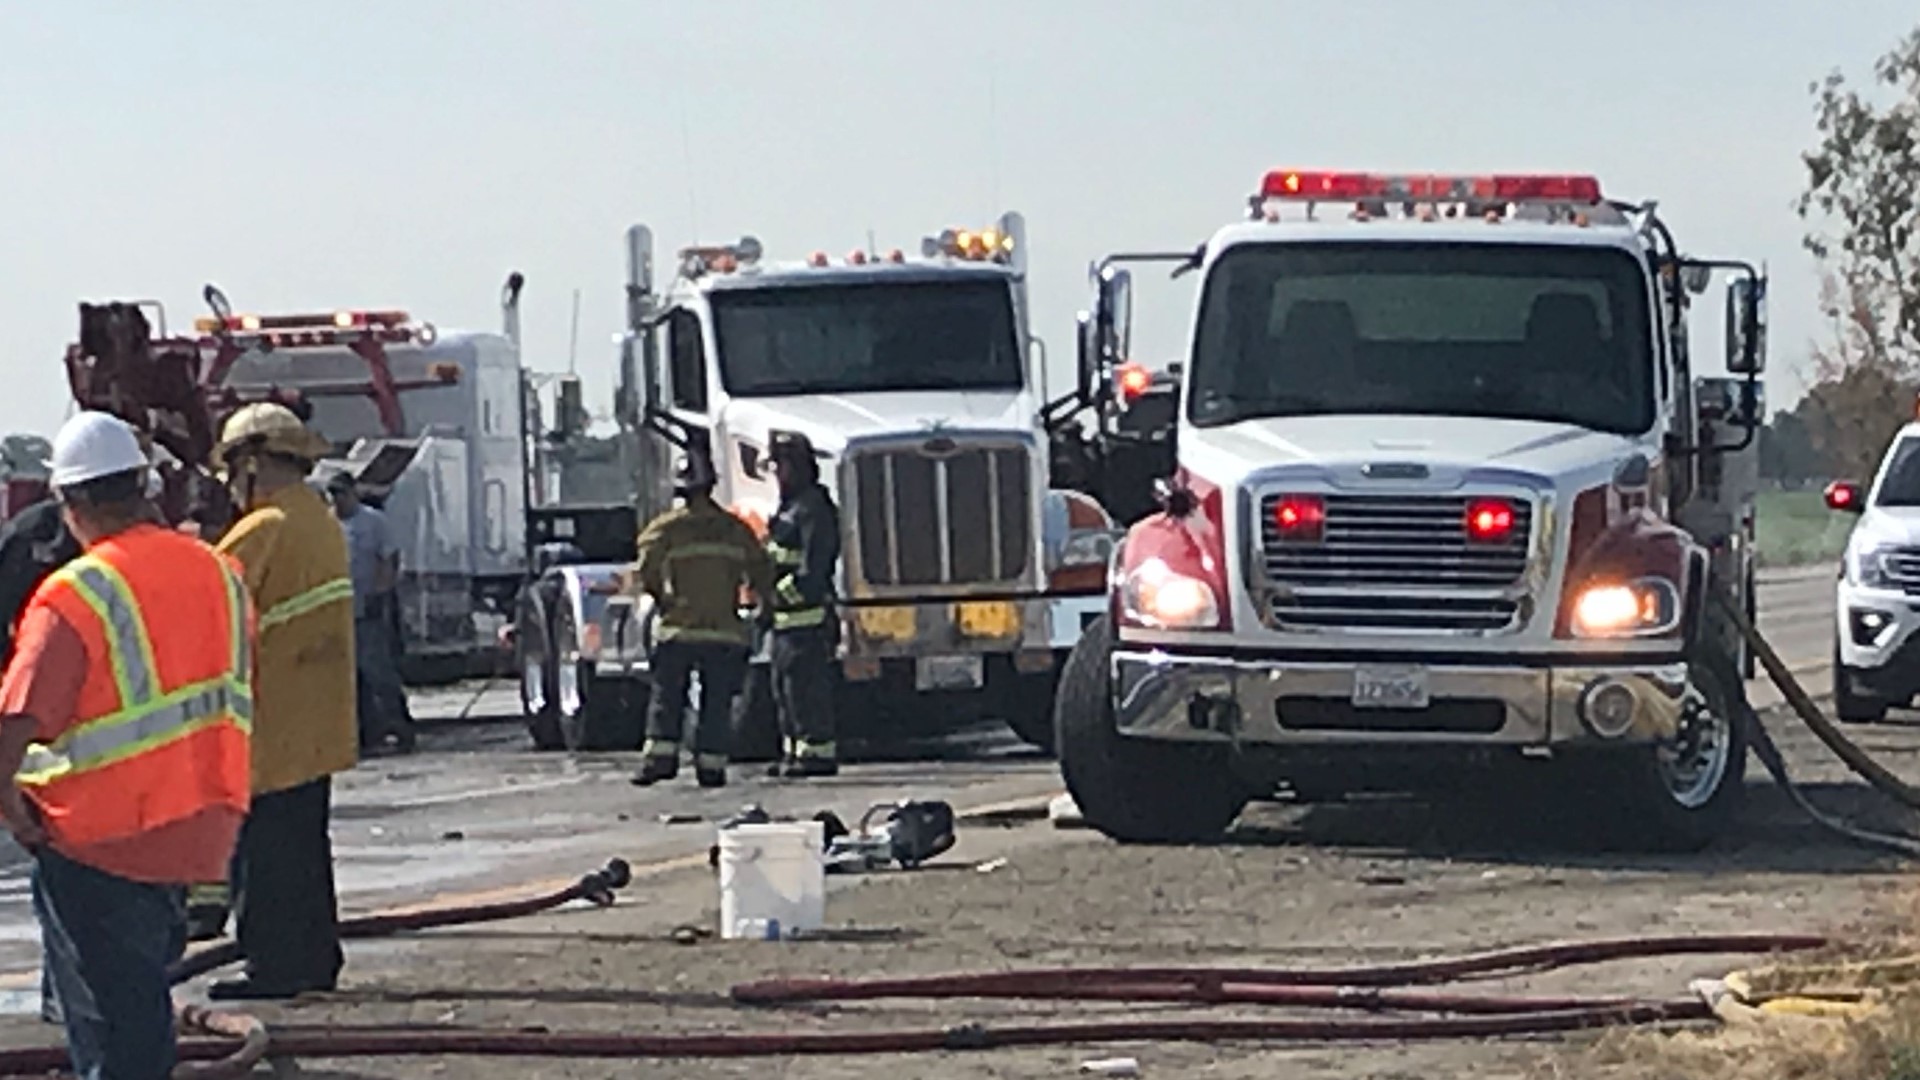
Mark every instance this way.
x=369 y=540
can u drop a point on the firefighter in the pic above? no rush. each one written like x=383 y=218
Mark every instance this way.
x=124 y=741
x=803 y=540
x=294 y=556
x=693 y=562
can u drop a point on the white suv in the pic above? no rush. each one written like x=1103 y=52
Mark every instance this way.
x=1876 y=650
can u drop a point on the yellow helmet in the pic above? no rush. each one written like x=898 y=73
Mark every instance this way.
x=270 y=428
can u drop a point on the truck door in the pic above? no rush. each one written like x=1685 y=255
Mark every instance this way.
x=689 y=396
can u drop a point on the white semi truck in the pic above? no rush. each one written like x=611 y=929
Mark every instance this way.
x=921 y=387
x=1449 y=490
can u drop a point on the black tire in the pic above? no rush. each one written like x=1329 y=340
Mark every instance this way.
x=1134 y=791
x=1850 y=707
x=1640 y=785
x=533 y=659
x=595 y=714
x=756 y=722
x=1028 y=708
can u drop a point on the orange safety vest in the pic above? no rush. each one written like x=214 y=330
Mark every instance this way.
x=164 y=717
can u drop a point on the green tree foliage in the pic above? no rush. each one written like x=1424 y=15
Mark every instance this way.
x=1862 y=207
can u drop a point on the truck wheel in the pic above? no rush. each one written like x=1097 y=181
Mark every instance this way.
x=1134 y=791
x=756 y=722
x=1850 y=707
x=1681 y=797
x=1028 y=708
x=539 y=692
x=595 y=713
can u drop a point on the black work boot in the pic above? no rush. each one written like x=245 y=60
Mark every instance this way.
x=811 y=768
x=655 y=770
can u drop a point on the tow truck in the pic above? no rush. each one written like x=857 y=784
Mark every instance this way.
x=1448 y=490
x=921 y=388
x=427 y=422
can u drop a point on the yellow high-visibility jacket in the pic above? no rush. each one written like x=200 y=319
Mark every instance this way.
x=294 y=555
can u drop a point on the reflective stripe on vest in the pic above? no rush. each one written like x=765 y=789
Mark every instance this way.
x=146 y=718
x=327 y=592
x=706 y=549
x=790 y=608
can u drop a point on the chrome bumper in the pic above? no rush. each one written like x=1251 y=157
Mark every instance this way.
x=1157 y=695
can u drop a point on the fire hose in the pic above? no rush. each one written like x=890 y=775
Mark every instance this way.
x=597 y=888
x=1371 y=989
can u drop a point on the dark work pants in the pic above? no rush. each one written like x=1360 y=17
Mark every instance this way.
x=722 y=670
x=803 y=689
x=108 y=944
x=382 y=697
x=286 y=917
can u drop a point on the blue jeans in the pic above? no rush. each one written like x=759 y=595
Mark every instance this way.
x=108 y=944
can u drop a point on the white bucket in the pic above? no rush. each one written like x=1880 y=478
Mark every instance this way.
x=772 y=874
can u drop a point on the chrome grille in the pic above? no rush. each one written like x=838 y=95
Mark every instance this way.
x=1396 y=563
x=1903 y=568
x=958 y=517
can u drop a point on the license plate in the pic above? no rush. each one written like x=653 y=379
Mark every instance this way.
x=987 y=619
x=949 y=673
x=1397 y=687
x=887 y=623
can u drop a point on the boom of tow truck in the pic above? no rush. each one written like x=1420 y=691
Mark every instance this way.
x=428 y=423
x=1447 y=489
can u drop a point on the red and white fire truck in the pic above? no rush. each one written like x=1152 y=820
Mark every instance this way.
x=1449 y=489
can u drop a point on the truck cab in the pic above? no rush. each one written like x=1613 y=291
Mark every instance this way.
x=1446 y=486
x=920 y=386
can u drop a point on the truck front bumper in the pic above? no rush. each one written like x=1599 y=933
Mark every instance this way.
x=1161 y=695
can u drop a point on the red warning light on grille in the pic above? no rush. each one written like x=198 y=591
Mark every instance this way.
x=1489 y=520
x=1300 y=517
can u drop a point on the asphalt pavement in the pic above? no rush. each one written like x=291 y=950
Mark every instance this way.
x=475 y=812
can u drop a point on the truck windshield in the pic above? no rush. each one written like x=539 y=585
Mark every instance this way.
x=1559 y=334
x=842 y=339
x=1901 y=484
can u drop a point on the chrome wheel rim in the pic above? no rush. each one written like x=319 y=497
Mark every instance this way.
x=1695 y=763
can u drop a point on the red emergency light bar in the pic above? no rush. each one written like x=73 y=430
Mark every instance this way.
x=1509 y=188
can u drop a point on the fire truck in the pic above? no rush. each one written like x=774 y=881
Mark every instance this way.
x=922 y=390
x=429 y=423
x=1448 y=492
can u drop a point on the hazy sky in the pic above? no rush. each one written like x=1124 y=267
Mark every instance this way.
x=312 y=156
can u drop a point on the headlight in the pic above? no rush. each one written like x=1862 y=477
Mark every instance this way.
x=1867 y=568
x=1156 y=595
x=1645 y=608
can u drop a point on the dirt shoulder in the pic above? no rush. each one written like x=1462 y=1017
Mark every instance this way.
x=1296 y=886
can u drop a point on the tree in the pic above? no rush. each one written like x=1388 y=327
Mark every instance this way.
x=1862 y=206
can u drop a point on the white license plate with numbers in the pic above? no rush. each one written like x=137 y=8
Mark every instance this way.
x=1400 y=686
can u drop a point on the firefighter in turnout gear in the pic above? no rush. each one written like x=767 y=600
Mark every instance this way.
x=694 y=561
x=294 y=558
x=803 y=540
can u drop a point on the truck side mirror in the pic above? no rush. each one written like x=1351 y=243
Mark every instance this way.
x=1845 y=496
x=1086 y=368
x=1112 y=326
x=1746 y=335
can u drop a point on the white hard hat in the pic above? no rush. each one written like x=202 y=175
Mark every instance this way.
x=93 y=445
